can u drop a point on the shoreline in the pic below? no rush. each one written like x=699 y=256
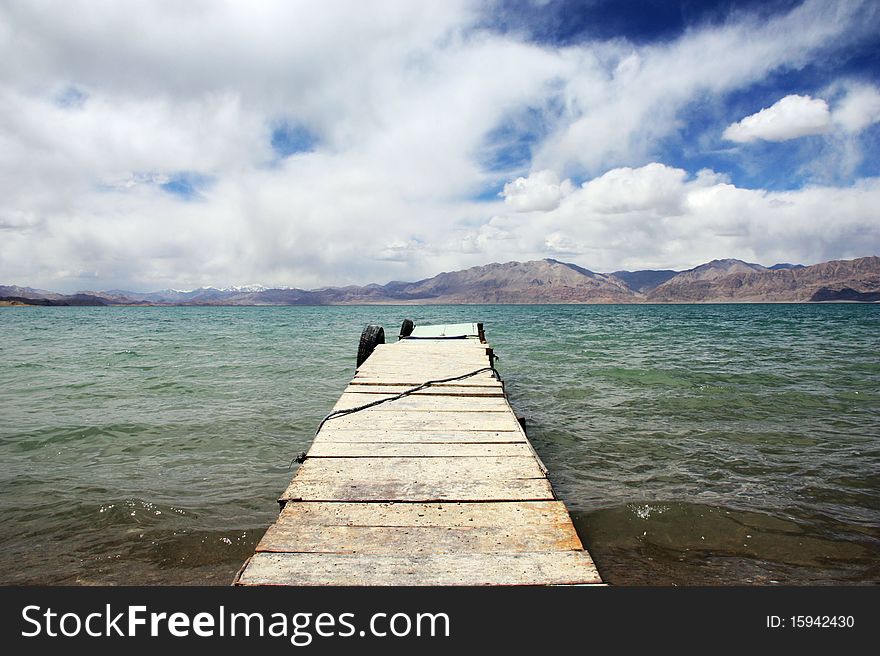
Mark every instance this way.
x=17 y=303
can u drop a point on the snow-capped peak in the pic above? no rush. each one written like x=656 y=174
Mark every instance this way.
x=245 y=288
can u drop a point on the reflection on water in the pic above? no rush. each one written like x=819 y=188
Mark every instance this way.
x=694 y=444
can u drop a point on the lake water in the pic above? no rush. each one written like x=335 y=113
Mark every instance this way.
x=710 y=444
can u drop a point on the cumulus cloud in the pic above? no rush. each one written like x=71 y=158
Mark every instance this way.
x=797 y=116
x=653 y=188
x=656 y=216
x=542 y=190
x=791 y=117
x=859 y=108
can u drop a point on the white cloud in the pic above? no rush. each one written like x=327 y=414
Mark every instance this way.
x=657 y=217
x=791 y=117
x=858 y=109
x=653 y=188
x=542 y=190
x=621 y=100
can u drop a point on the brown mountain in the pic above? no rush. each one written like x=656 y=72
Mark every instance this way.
x=734 y=281
x=718 y=269
x=539 y=281
x=646 y=280
x=543 y=281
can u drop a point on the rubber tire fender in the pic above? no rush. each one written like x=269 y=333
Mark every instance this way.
x=406 y=328
x=370 y=339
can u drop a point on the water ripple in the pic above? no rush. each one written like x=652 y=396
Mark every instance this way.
x=695 y=444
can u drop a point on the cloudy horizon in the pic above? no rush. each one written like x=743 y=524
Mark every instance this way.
x=160 y=145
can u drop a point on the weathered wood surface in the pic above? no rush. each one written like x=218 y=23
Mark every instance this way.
x=429 y=421
x=439 y=390
x=573 y=567
x=424 y=403
x=440 y=487
x=456 y=434
x=422 y=469
x=435 y=489
x=473 y=478
x=402 y=528
x=393 y=514
x=407 y=380
x=416 y=449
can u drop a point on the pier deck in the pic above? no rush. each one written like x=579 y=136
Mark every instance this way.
x=441 y=487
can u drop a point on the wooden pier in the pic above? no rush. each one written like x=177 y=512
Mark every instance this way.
x=440 y=487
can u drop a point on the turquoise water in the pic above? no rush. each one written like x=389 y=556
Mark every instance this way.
x=713 y=444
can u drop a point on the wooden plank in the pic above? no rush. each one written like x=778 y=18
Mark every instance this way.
x=399 y=358
x=463 y=365
x=470 y=362
x=433 y=390
x=416 y=450
x=429 y=421
x=425 y=514
x=440 y=370
x=403 y=351
x=440 y=345
x=309 y=538
x=426 y=355
x=542 y=568
x=422 y=374
x=467 y=364
x=411 y=355
x=405 y=380
x=437 y=398
x=446 y=330
x=403 y=357
x=426 y=349
x=424 y=403
x=425 y=470
x=333 y=432
x=400 y=489
x=466 y=383
x=419 y=538
x=457 y=344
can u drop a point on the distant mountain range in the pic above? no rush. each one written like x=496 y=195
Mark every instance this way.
x=540 y=281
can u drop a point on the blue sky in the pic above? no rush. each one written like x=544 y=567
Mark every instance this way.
x=696 y=143
x=286 y=143
x=639 y=21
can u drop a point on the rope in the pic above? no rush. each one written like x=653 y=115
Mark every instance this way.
x=348 y=411
x=412 y=390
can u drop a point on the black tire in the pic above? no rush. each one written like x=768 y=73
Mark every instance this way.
x=370 y=338
x=406 y=328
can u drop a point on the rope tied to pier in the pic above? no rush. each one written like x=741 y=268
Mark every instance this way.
x=412 y=390
x=347 y=411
